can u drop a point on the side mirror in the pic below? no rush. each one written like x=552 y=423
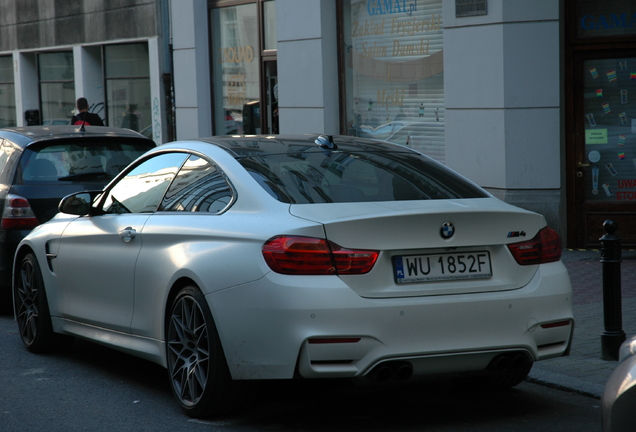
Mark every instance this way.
x=79 y=203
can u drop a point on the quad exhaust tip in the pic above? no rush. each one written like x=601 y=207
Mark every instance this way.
x=508 y=361
x=397 y=371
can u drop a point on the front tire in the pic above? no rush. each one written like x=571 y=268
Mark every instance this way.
x=31 y=307
x=199 y=376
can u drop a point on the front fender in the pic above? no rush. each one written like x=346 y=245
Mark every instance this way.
x=44 y=242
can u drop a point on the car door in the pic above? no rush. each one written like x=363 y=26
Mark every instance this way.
x=97 y=255
x=179 y=235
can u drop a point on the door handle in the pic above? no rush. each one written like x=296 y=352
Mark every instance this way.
x=579 y=168
x=127 y=234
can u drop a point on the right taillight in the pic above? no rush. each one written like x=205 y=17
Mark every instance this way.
x=17 y=214
x=313 y=256
x=545 y=247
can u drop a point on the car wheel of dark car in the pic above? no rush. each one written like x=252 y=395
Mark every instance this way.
x=32 y=311
x=199 y=375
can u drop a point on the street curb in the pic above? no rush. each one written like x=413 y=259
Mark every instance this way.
x=563 y=382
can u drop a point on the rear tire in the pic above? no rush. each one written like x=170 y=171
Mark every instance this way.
x=32 y=309
x=198 y=372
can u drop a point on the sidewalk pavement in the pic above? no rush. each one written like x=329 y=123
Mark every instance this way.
x=583 y=371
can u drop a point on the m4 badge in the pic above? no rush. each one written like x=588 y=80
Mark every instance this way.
x=516 y=234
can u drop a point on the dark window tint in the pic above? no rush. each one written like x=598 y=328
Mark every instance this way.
x=81 y=161
x=323 y=177
x=199 y=187
x=142 y=189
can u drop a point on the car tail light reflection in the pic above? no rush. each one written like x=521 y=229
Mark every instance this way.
x=545 y=247
x=17 y=214
x=556 y=324
x=314 y=256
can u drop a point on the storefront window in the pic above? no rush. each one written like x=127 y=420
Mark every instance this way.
x=57 y=87
x=610 y=129
x=605 y=18
x=269 y=12
x=128 y=87
x=236 y=60
x=394 y=72
x=7 y=93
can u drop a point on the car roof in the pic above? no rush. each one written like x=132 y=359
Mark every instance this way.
x=251 y=145
x=26 y=135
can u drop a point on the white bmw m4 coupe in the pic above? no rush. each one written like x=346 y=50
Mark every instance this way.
x=228 y=259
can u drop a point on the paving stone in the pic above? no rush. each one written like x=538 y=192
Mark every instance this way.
x=584 y=370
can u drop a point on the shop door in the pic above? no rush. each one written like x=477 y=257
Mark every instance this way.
x=603 y=164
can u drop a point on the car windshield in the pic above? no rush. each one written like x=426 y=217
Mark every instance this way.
x=86 y=161
x=334 y=176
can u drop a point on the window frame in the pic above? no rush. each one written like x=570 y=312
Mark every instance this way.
x=63 y=82
x=98 y=208
x=264 y=56
x=109 y=80
x=217 y=170
x=10 y=98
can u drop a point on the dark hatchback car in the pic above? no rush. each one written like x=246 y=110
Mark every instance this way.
x=39 y=165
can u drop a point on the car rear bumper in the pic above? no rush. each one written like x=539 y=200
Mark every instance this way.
x=318 y=327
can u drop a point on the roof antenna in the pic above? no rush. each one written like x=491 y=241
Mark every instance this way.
x=326 y=141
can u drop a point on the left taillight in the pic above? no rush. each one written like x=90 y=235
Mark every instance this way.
x=545 y=247
x=17 y=214
x=313 y=256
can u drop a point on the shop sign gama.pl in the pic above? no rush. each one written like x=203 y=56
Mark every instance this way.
x=392 y=40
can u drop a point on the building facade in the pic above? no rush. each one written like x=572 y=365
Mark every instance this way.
x=109 y=52
x=531 y=100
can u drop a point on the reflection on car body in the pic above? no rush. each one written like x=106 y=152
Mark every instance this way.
x=382 y=131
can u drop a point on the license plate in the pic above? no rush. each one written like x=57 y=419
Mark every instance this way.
x=440 y=267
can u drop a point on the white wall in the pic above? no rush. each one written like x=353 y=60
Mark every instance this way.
x=26 y=85
x=502 y=97
x=307 y=66
x=89 y=78
x=193 y=105
x=157 y=95
x=307 y=61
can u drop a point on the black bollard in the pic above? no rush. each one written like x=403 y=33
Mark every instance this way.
x=613 y=336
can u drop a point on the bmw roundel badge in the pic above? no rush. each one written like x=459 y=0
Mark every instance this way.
x=447 y=230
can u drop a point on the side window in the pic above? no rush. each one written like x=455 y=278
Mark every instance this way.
x=142 y=189
x=199 y=187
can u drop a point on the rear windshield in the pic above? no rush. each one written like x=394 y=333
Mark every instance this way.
x=85 y=161
x=325 y=177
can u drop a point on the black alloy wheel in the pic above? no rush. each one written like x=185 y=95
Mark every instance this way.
x=198 y=371
x=32 y=311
